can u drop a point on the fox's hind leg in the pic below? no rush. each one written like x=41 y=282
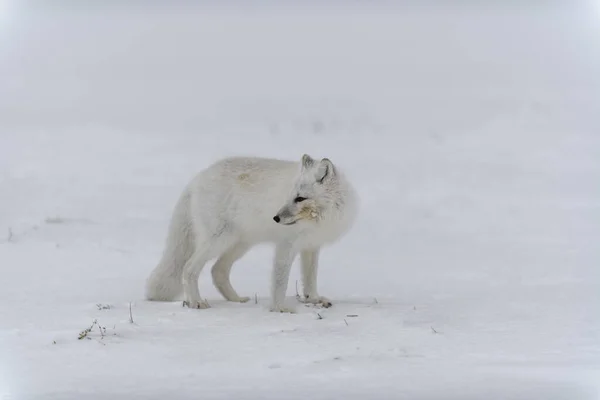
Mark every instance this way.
x=221 y=271
x=191 y=273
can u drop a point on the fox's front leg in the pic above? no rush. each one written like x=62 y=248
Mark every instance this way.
x=310 y=265
x=284 y=257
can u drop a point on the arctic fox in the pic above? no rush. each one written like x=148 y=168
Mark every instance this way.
x=239 y=202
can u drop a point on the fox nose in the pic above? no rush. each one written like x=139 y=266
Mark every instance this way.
x=276 y=218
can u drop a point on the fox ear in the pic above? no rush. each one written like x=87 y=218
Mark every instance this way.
x=325 y=171
x=307 y=161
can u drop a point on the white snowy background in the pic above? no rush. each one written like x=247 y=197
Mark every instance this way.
x=472 y=133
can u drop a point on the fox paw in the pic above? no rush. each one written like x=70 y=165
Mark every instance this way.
x=201 y=305
x=288 y=310
x=240 y=299
x=317 y=300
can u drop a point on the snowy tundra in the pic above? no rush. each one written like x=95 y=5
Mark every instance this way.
x=469 y=130
x=231 y=207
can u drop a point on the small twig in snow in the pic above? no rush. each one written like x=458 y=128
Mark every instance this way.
x=10 y=235
x=375 y=298
x=433 y=330
x=130 y=314
x=255 y=298
x=319 y=315
x=346 y=321
x=297 y=294
x=85 y=332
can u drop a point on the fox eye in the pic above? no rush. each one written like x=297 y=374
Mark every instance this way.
x=299 y=199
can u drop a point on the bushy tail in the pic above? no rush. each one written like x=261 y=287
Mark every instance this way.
x=164 y=283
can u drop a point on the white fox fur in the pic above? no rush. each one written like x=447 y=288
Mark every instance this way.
x=239 y=202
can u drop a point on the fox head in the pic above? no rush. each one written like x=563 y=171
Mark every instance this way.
x=315 y=195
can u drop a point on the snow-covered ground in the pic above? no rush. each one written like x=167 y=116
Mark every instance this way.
x=472 y=135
